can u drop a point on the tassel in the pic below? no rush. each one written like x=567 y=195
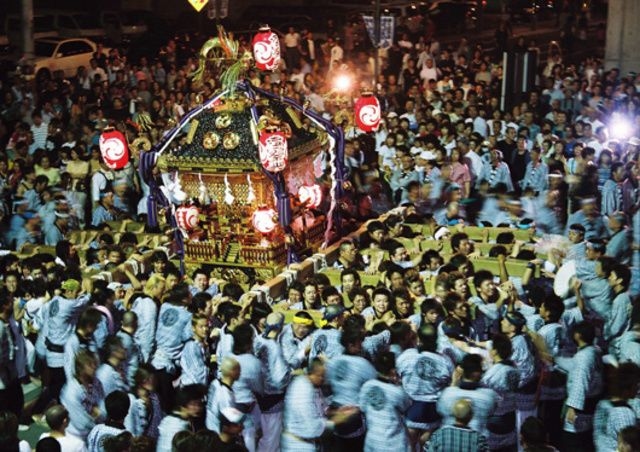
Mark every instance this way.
x=179 y=196
x=251 y=196
x=203 y=193
x=228 y=195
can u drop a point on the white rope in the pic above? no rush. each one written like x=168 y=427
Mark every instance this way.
x=334 y=189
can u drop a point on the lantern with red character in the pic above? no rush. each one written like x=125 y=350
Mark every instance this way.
x=264 y=220
x=311 y=196
x=368 y=112
x=187 y=217
x=273 y=151
x=266 y=49
x=113 y=147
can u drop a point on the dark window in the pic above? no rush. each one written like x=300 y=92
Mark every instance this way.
x=66 y=22
x=74 y=48
x=43 y=48
x=43 y=23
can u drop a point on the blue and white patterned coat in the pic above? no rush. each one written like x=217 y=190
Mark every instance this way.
x=384 y=405
x=483 y=400
x=173 y=331
x=63 y=314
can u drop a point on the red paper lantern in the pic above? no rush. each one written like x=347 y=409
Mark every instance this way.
x=266 y=49
x=187 y=217
x=310 y=195
x=273 y=151
x=113 y=147
x=368 y=113
x=264 y=220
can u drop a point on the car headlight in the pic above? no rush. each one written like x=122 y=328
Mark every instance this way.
x=26 y=69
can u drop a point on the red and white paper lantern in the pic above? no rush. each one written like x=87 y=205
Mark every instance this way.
x=264 y=220
x=368 y=113
x=113 y=147
x=187 y=217
x=266 y=49
x=310 y=195
x=273 y=151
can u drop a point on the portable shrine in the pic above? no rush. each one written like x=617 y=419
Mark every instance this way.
x=249 y=178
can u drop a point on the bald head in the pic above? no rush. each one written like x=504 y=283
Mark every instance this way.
x=462 y=410
x=230 y=368
x=275 y=319
x=129 y=319
x=56 y=417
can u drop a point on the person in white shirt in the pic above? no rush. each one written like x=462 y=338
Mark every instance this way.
x=473 y=160
x=96 y=70
x=479 y=123
x=337 y=53
x=277 y=374
x=291 y=45
x=221 y=394
x=429 y=71
x=40 y=131
x=57 y=418
x=387 y=154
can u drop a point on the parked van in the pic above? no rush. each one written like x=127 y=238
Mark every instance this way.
x=43 y=27
x=123 y=26
x=72 y=24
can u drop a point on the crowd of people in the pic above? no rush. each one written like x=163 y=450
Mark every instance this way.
x=440 y=353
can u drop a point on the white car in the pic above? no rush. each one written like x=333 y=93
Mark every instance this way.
x=58 y=54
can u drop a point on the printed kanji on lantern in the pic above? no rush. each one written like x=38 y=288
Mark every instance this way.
x=264 y=220
x=273 y=151
x=187 y=217
x=311 y=196
x=367 y=113
x=266 y=49
x=114 y=150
